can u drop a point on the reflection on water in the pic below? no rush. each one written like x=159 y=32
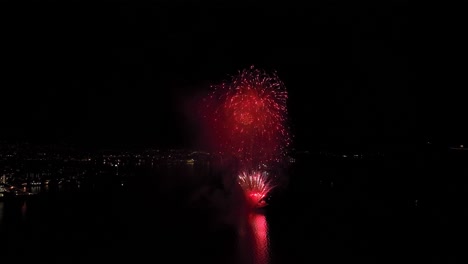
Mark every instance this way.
x=261 y=249
x=1 y=212
x=24 y=209
x=36 y=189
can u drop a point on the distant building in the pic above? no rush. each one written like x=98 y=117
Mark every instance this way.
x=460 y=147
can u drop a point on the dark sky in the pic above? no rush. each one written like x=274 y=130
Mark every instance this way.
x=119 y=72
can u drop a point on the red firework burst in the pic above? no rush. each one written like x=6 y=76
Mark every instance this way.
x=256 y=186
x=248 y=117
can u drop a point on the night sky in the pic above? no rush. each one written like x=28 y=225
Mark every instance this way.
x=127 y=72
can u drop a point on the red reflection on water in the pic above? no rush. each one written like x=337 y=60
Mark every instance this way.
x=24 y=209
x=261 y=244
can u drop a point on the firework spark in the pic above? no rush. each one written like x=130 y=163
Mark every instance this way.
x=256 y=186
x=248 y=117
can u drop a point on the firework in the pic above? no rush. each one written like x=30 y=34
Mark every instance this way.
x=248 y=117
x=256 y=186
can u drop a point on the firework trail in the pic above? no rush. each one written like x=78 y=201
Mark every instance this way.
x=247 y=117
